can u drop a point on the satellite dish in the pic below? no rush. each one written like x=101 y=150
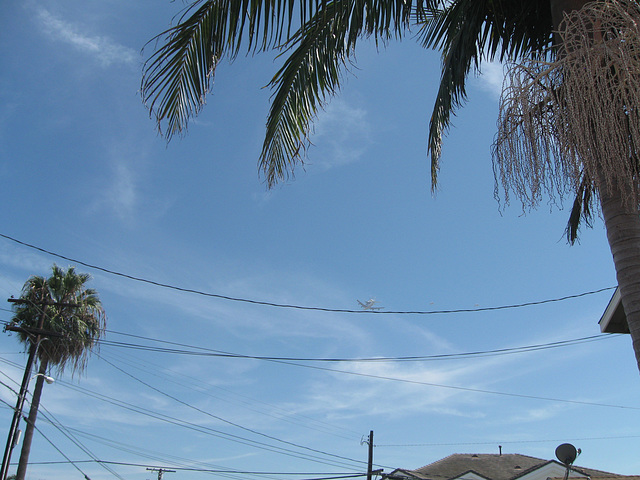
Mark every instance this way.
x=566 y=453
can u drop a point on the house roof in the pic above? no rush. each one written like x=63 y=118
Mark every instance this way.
x=492 y=467
x=614 y=320
x=605 y=477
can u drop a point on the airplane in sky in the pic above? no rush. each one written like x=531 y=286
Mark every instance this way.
x=369 y=305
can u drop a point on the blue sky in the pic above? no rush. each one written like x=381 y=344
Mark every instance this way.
x=85 y=175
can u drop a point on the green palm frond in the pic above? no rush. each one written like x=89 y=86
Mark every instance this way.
x=72 y=312
x=177 y=77
x=455 y=31
x=310 y=74
x=468 y=32
x=582 y=209
x=319 y=53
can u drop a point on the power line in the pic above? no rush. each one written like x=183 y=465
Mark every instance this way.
x=302 y=307
x=533 y=397
x=47 y=417
x=184 y=380
x=444 y=443
x=201 y=428
x=503 y=442
x=60 y=451
x=325 y=476
x=203 y=351
x=453 y=387
x=552 y=345
x=189 y=463
x=52 y=420
x=250 y=430
x=217 y=417
x=328 y=476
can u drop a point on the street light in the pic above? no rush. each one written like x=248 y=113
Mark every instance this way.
x=17 y=412
x=13 y=430
x=46 y=378
x=49 y=381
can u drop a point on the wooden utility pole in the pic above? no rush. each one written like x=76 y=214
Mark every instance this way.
x=160 y=471
x=13 y=430
x=370 y=471
x=370 y=462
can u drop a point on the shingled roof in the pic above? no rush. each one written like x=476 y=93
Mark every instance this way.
x=489 y=466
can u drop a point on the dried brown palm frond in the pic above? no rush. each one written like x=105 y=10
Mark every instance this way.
x=576 y=117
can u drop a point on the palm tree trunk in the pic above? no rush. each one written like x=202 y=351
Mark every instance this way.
x=622 y=222
x=31 y=421
x=560 y=7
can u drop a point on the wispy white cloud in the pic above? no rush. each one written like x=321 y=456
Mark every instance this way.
x=123 y=190
x=545 y=412
x=454 y=389
x=491 y=78
x=104 y=50
x=344 y=131
x=120 y=196
x=344 y=396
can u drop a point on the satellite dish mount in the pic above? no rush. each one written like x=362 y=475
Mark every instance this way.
x=567 y=454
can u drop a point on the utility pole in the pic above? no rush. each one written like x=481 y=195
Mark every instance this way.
x=370 y=471
x=370 y=462
x=11 y=439
x=160 y=471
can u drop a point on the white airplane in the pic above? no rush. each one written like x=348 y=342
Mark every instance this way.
x=369 y=305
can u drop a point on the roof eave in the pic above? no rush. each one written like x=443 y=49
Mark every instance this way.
x=614 y=320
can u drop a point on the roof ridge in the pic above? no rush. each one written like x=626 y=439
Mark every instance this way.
x=533 y=467
x=429 y=464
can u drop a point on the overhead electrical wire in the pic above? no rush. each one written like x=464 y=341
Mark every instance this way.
x=439 y=444
x=291 y=360
x=204 y=351
x=47 y=416
x=302 y=307
x=52 y=420
x=250 y=430
x=62 y=453
x=204 y=429
x=50 y=442
x=197 y=385
x=326 y=476
x=210 y=352
x=504 y=442
x=492 y=392
x=211 y=431
x=233 y=437
x=331 y=476
x=188 y=463
x=465 y=389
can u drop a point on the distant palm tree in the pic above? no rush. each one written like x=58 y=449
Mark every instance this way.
x=74 y=320
x=319 y=38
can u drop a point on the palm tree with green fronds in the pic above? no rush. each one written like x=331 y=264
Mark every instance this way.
x=74 y=321
x=317 y=40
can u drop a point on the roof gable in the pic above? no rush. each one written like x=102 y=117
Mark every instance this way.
x=494 y=467
x=488 y=466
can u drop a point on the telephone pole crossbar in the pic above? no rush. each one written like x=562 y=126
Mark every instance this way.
x=37 y=334
x=161 y=471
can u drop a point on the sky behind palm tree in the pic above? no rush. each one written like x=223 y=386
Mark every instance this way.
x=85 y=175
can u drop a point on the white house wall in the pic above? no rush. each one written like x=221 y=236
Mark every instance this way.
x=470 y=476
x=550 y=470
